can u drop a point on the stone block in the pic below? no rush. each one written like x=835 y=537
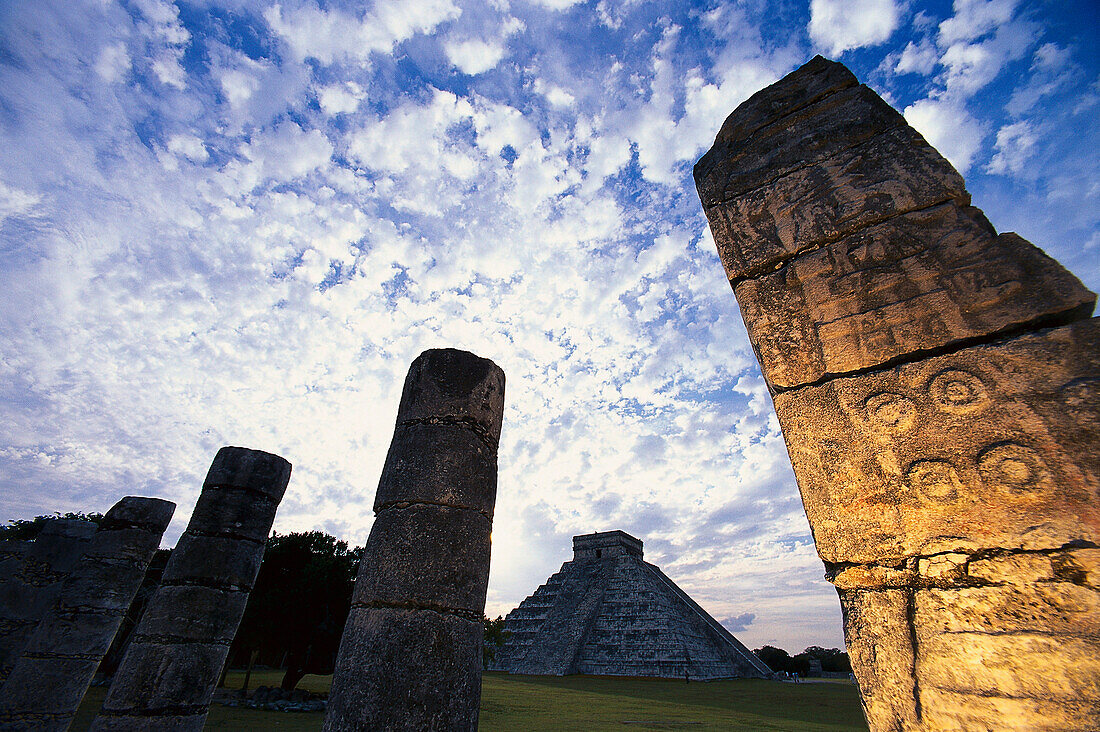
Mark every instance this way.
x=255 y=470
x=83 y=631
x=1082 y=565
x=1047 y=607
x=165 y=680
x=919 y=282
x=426 y=556
x=445 y=464
x=965 y=452
x=425 y=667
x=231 y=512
x=193 y=613
x=795 y=140
x=876 y=630
x=893 y=173
x=24 y=693
x=947 y=710
x=812 y=81
x=1014 y=568
x=215 y=560
x=445 y=384
x=1016 y=665
x=130 y=723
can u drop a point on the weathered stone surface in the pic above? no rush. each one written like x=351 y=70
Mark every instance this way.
x=888 y=175
x=946 y=710
x=239 y=467
x=947 y=463
x=915 y=283
x=419 y=673
x=608 y=612
x=234 y=562
x=426 y=556
x=192 y=613
x=963 y=452
x=48 y=681
x=445 y=385
x=879 y=640
x=173 y=691
x=410 y=656
x=26 y=596
x=813 y=81
x=1054 y=608
x=825 y=128
x=168 y=674
x=445 y=464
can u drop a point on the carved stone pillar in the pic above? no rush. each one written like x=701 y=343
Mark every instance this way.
x=938 y=385
x=168 y=674
x=48 y=681
x=410 y=657
x=26 y=594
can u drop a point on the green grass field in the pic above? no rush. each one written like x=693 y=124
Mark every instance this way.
x=590 y=703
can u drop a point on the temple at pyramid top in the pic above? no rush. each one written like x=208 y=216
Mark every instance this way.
x=605 y=544
x=609 y=612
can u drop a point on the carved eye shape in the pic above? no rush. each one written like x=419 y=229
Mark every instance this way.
x=891 y=411
x=958 y=392
x=1013 y=466
x=934 y=479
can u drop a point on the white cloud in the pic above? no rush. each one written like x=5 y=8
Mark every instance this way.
x=1014 y=147
x=340 y=98
x=113 y=63
x=474 y=56
x=331 y=35
x=238 y=86
x=841 y=25
x=918 y=58
x=974 y=19
x=14 y=202
x=188 y=146
x=949 y=128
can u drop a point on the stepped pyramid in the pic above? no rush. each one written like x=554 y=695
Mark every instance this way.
x=608 y=612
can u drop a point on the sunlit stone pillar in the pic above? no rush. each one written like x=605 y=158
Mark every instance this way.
x=168 y=674
x=49 y=679
x=938 y=385
x=410 y=657
x=26 y=594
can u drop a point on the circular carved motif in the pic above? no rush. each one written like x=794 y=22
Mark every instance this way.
x=892 y=411
x=934 y=479
x=1016 y=467
x=958 y=392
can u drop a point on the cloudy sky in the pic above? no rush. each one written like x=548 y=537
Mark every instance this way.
x=238 y=221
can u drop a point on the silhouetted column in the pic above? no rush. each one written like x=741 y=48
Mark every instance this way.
x=168 y=674
x=410 y=656
x=938 y=385
x=48 y=681
x=28 y=594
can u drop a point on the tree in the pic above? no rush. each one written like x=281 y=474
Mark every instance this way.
x=28 y=529
x=495 y=637
x=299 y=604
x=777 y=659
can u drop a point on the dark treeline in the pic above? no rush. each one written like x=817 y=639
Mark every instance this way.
x=833 y=660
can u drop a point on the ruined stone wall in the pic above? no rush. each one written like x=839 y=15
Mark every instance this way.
x=937 y=385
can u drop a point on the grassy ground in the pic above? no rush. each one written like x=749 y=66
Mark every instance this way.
x=589 y=703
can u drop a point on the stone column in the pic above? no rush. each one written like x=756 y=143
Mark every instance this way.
x=27 y=595
x=410 y=657
x=938 y=385
x=48 y=681
x=168 y=674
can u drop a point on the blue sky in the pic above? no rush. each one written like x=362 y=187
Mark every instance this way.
x=238 y=222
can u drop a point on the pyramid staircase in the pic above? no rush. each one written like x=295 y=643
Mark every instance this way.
x=608 y=612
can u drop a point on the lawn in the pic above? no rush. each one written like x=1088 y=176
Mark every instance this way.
x=591 y=703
